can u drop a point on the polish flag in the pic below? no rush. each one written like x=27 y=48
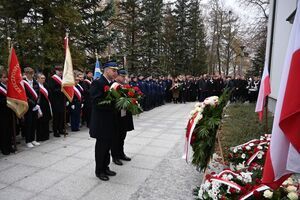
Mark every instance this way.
x=264 y=91
x=16 y=95
x=68 y=75
x=283 y=158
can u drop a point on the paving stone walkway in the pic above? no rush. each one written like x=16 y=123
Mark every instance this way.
x=63 y=168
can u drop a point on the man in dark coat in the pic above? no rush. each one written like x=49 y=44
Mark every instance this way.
x=44 y=102
x=58 y=102
x=103 y=120
x=125 y=123
x=6 y=118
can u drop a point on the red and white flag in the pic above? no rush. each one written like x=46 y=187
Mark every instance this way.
x=68 y=75
x=264 y=91
x=16 y=95
x=283 y=157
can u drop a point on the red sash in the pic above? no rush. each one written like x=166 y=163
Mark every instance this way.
x=88 y=81
x=77 y=93
x=44 y=91
x=31 y=90
x=57 y=79
x=3 y=91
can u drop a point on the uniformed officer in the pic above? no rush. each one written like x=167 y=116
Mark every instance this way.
x=125 y=123
x=103 y=120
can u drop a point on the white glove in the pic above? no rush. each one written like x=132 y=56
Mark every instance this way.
x=40 y=113
x=36 y=108
x=82 y=105
x=73 y=107
x=67 y=103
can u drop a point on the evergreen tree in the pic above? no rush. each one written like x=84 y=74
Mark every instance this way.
x=128 y=22
x=182 y=43
x=196 y=39
x=169 y=41
x=258 y=61
x=151 y=39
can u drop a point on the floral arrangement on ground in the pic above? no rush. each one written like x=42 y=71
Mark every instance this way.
x=242 y=179
x=202 y=129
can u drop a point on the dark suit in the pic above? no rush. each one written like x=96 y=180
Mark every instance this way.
x=86 y=110
x=6 y=124
x=30 y=118
x=58 y=101
x=43 y=122
x=102 y=124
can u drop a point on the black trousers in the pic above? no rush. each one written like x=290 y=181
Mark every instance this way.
x=6 y=131
x=58 y=122
x=102 y=155
x=75 y=117
x=30 y=123
x=117 y=149
x=42 y=133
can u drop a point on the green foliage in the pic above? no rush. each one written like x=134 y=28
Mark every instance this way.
x=205 y=132
x=241 y=124
x=37 y=29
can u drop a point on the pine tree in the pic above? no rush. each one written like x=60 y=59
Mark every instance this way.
x=128 y=23
x=196 y=40
x=169 y=41
x=182 y=44
x=151 y=39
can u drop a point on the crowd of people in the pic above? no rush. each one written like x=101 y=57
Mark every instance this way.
x=49 y=109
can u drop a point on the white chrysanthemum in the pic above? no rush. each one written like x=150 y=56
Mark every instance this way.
x=259 y=155
x=240 y=166
x=268 y=194
x=291 y=188
x=259 y=147
x=292 y=196
x=247 y=176
x=289 y=181
x=199 y=109
x=235 y=150
x=243 y=156
x=251 y=144
x=248 y=147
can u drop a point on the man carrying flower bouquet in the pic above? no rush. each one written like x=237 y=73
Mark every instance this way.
x=125 y=122
x=103 y=120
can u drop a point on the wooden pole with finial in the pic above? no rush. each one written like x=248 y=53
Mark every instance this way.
x=65 y=99
x=9 y=45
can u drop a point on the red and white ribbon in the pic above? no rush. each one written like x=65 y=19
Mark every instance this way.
x=229 y=183
x=3 y=91
x=77 y=93
x=258 y=189
x=249 y=161
x=31 y=90
x=80 y=88
x=57 y=79
x=88 y=81
x=189 y=133
x=227 y=171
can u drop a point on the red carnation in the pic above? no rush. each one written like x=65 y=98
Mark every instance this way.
x=133 y=101
x=136 y=88
x=106 y=88
x=256 y=194
x=127 y=86
x=130 y=94
x=232 y=190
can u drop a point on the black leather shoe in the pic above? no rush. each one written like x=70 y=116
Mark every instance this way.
x=108 y=172
x=117 y=161
x=102 y=177
x=126 y=158
x=56 y=135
